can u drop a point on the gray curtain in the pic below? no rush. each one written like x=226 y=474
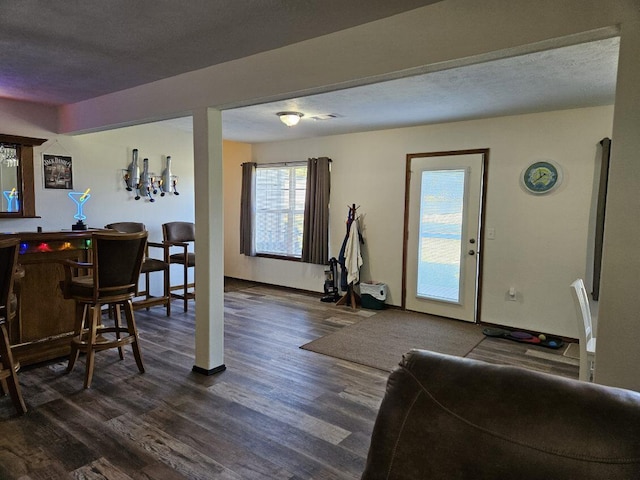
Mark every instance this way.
x=247 y=209
x=315 y=237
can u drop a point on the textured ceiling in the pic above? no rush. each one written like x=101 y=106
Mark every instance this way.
x=63 y=52
x=576 y=76
x=60 y=52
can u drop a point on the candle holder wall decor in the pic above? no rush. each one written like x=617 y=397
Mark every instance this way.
x=147 y=184
x=132 y=173
x=80 y=198
x=168 y=181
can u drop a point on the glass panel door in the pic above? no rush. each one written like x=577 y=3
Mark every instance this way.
x=440 y=235
x=442 y=249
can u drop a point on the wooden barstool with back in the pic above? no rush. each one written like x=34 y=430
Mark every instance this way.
x=8 y=263
x=115 y=271
x=149 y=265
x=181 y=235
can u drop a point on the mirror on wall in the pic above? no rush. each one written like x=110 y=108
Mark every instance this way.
x=17 y=176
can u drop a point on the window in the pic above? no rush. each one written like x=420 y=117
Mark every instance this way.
x=280 y=199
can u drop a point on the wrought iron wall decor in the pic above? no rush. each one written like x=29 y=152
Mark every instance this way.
x=146 y=183
x=146 y=186
x=168 y=181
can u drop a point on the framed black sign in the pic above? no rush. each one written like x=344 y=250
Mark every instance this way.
x=57 y=171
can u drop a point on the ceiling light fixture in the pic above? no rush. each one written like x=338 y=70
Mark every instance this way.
x=290 y=119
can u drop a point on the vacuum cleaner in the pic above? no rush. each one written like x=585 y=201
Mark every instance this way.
x=331 y=291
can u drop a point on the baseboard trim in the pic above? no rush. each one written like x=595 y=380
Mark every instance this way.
x=211 y=371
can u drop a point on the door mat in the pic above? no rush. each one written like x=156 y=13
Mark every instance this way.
x=380 y=340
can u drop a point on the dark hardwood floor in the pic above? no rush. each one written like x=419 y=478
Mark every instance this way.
x=277 y=412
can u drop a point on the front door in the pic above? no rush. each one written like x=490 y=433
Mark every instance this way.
x=443 y=210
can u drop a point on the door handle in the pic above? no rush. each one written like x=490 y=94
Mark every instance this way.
x=472 y=252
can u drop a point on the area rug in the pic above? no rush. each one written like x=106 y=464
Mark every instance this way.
x=380 y=340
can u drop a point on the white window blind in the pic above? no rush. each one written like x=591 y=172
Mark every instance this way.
x=440 y=236
x=280 y=195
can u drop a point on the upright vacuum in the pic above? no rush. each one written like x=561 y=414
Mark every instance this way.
x=332 y=293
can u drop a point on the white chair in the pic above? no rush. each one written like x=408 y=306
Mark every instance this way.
x=585 y=329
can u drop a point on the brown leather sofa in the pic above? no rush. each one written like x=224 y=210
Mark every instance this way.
x=447 y=417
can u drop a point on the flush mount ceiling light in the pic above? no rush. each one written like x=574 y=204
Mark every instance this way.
x=290 y=118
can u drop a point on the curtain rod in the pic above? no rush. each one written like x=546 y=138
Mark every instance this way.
x=283 y=164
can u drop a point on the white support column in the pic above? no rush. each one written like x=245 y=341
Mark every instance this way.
x=209 y=272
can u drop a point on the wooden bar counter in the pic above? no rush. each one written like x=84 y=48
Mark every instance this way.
x=43 y=325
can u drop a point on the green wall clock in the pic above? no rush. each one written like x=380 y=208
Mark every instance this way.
x=541 y=177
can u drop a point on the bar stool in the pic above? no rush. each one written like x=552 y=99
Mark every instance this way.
x=13 y=317
x=181 y=235
x=8 y=368
x=149 y=265
x=115 y=270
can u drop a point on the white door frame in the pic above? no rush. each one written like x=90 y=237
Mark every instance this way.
x=410 y=156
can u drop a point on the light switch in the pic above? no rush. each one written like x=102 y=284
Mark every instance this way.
x=491 y=233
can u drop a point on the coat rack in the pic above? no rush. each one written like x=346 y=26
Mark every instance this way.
x=350 y=257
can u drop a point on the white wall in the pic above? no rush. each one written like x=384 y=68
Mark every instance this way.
x=447 y=33
x=540 y=244
x=98 y=163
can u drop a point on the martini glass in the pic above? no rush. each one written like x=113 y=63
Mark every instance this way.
x=80 y=198
x=13 y=204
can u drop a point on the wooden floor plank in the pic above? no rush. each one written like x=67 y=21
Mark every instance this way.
x=99 y=470
x=169 y=450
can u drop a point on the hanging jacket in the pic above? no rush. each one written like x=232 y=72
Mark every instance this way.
x=353 y=258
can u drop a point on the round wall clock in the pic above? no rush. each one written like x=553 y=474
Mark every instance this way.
x=542 y=176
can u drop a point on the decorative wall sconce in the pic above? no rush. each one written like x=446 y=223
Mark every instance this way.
x=132 y=174
x=290 y=119
x=168 y=181
x=147 y=184
x=142 y=183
